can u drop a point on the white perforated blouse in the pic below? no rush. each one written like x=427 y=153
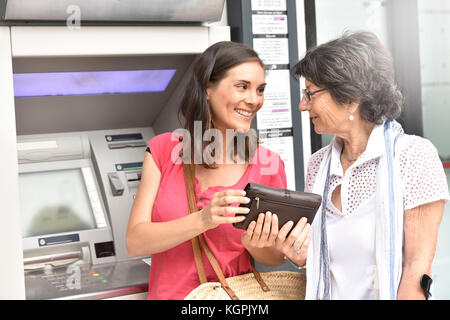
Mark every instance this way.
x=422 y=175
x=351 y=232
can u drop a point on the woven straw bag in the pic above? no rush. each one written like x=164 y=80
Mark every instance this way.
x=284 y=285
x=274 y=285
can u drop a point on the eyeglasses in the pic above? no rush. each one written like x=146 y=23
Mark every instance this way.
x=308 y=94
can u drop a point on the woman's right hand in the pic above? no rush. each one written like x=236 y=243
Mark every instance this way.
x=219 y=209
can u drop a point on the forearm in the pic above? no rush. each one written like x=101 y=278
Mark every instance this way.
x=409 y=288
x=147 y=238
x=268 y=256
x=421 y=226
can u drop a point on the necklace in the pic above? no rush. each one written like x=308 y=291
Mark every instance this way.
x=347 y=158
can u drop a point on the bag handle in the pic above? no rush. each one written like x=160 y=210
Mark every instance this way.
x=189 y=174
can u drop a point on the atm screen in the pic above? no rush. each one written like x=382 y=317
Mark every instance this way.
x=54 y=202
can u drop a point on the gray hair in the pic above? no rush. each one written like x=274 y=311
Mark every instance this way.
x=355 y=68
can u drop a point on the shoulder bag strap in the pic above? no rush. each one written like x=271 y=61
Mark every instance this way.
x=189 y=174
x=189 y=181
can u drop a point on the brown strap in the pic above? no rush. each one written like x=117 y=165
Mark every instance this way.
x=215 y=265
x=189 y=174
x=189 y=180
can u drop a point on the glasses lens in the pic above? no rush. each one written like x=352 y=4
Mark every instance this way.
x=306 y=95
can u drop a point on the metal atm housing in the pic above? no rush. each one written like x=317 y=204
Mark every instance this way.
x=99 y=138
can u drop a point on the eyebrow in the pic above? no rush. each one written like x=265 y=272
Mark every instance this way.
x=249 y=82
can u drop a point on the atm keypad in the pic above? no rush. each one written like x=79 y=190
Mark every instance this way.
x=87 y=279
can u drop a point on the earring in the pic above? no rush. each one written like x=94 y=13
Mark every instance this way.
x=352 y=117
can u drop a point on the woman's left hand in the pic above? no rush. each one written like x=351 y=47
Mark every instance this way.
x=295 y=246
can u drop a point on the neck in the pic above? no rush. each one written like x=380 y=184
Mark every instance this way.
x=356 y=139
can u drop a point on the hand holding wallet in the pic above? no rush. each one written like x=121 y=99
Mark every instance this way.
x=288 y=205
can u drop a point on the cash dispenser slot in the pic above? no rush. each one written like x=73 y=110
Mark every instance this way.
x=122 y=141
x=133 y=176
x=124 y=145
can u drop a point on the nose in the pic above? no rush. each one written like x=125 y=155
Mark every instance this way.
x=253 y=98
x=304 y=105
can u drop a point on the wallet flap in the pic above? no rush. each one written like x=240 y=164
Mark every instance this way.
x=288 y=205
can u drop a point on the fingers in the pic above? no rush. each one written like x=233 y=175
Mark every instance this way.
x=274 y=229
x=229 y=192
x=263 y=232
x=282 y=235
x=219 y=209
x=295 y=246
x=222 y=211
x=296 y=232
x=301 y=238
x=227 y=200
x=296 y=237
x=228 y=197
x=299 y=258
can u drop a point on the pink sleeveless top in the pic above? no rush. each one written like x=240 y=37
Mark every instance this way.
x=173 y=273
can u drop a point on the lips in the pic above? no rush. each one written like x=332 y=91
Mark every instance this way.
x=243 y=113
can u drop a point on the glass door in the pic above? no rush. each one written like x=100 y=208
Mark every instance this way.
x=434 y=43
x=333 y=18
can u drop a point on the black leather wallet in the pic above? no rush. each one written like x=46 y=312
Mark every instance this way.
x=288 y=205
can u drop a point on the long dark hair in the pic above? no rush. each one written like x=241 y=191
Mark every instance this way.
x=209 y=68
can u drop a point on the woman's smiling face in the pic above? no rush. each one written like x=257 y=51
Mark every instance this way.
x=326 y=114
x=236 y=98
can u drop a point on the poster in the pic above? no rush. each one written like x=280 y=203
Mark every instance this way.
x=274 y=119
x=269 y=24
x=269 y=5
x=284 y=146
x=272 y=50
x=276 y=111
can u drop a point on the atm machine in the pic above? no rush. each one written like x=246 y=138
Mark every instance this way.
x=78 y=108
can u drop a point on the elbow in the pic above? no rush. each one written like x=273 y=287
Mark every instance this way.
x=132 y=246
x=131 y=251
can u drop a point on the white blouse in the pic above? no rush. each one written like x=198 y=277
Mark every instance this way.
x=351 y=232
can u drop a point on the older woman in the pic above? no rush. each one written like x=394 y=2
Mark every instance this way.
x=383 y=191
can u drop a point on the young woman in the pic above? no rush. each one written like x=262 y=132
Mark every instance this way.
x=224 y=93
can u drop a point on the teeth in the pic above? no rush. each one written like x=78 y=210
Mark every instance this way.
x=244 y=113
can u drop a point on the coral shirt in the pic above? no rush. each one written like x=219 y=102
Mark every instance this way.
x=173 y=273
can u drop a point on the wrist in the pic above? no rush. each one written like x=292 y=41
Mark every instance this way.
x=410 y=286
x=295 y=265
x=200 y=224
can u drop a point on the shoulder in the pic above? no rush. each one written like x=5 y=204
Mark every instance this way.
x=164 y=138
x=411 y=144
x=163 y=142
x=421 y=172
x=162 y=148
x=313 y=167
x=317 y=157
x=417 y=153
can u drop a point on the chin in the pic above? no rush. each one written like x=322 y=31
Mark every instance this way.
x=242 y=126
x=242 y=129
x=318 y=130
